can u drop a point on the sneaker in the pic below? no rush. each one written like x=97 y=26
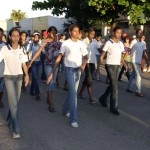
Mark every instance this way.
x=81 y=97
x=16 y=136
x=68 y=115
x=139 y=94
x=92 y=101
x=74 y=125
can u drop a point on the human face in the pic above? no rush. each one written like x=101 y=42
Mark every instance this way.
x=36 y=38
x=91 y=35
x=52 y=35
x=23 y=37
x=74 y=33
x=3 y=38
x=98 y=38
x=118 y=34
x=14 y=37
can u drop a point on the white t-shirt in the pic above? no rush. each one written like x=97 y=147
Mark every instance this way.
x=114 y=51
x=73 y=52
x=137 y=49
x=92 y=49
x=13 y=60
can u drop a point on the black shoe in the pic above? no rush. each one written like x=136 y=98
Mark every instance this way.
x=51 y=108
x=115 y=112
x=37 y=98
x=130 y=91
x=32 y=93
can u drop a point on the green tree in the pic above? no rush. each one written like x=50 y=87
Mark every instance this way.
x=17 y=15
x=87 y=11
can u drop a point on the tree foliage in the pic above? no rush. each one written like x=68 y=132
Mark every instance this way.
x=86 y=11
x=17 y=15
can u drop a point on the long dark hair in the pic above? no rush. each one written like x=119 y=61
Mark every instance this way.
x=20 y=41
x=9 y=41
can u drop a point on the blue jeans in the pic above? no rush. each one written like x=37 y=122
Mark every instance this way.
x=48 y=69
x=1 y=84
x=137 y=75
x=35 y=78
x=13 y=87
x=70 y=105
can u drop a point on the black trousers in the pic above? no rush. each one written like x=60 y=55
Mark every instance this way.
x=112 y=89
x=89 y=71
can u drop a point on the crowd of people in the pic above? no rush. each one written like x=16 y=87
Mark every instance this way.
x=74 y=55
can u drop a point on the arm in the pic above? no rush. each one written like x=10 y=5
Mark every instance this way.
x=25 y=69
x=100 y=61
x=36 y=55
x=124 y=64
x=85 y=59
x=146 y=58
x=54 y=68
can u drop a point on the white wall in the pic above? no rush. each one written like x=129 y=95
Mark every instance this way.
x=10 y=25
x=57 y=22
x=3 y=25
x=26 y=24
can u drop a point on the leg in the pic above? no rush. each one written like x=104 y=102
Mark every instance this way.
x=1 y=91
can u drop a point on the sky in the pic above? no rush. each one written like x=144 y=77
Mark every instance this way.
x=25 y=5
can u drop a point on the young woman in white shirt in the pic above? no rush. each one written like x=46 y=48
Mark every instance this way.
x=114 y=48
x=92 y=47
x=73 y=50
x=15 y=60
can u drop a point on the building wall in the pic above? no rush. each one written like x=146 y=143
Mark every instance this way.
x=26 y=25
x=57 y=22
x=39 y=24
x=3 y=25
x=10 y=24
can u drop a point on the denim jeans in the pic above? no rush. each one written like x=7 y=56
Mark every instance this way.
x=112 y=89
x=137 y=75
x=13 y=87
x=70 y=105
x=1 y=84
x=35 y=78
x=48 y=69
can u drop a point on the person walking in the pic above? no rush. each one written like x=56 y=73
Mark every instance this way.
x=72 y=49
x=114 y=48
x=15 y=60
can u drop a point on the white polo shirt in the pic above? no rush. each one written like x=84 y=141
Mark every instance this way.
x=92 y=49
x=114 y=51
x=13 y=60
x=137 y=49
x=73 y=53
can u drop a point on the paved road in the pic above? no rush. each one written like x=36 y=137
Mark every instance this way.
x=98 y=129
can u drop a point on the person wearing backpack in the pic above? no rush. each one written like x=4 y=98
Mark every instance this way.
x=15 y=60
